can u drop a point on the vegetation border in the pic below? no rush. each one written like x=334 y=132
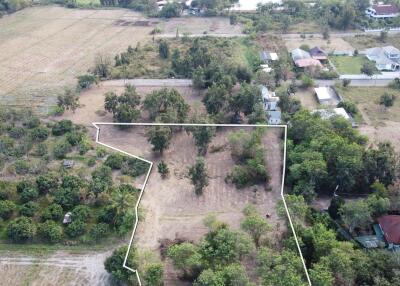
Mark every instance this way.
x=97 y=126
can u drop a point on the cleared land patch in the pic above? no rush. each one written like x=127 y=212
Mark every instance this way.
x=45 y=48
x=172 y=211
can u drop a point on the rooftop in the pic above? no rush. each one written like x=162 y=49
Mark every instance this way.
x=385 y=9
x=390 y=225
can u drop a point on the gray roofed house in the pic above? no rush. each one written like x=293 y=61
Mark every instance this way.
x=299 y=54
x=318 y=53
x=386 y=58
x=274 y=117
x=268 y=57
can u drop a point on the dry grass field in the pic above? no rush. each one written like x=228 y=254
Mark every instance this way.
x=43 y=49
x=333 y=44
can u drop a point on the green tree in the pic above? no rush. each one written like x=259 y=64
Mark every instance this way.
x=254 y=224
x=68 y=101
x=185 y=258
x=6 y=209
x=75 y=228
x=114 y=263
x=50 y=231
x=21 y=229
x=202 y=134
x=356 y=214
x=159 y=137
x=153 y=275
x=215 y=99
x=368 y=68
x=52 y=212
x=198 y=176
x=163 y=49
x=387 y=99
x=246 y=99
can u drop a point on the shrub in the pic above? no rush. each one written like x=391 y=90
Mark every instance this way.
x=21 y=229
x=100 y=152
x=387 y=99
x=52 y=212
x=61 y=150
x=103 y=174
x=46 y=183
x=62 y=127
x=74 y=137
x=29 y=209
x=17 y=132
x=85 y=81
x=50 y=231
x=23 y=185
x=163 y=169
x=134 y=167
x=67 y=198
x=29 y=195
x=72 y=182
x=32 y=122
x=98 y=231
x=350 y=107
x=21 y=167
x=6 y=209
x=114 y=161
x=75 y=229
x=39 y=133
x=81 y=213
x=41 y=149
x=91 y=162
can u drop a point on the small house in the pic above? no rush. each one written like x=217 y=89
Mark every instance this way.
x=386 y=58
x=383 y=11
x=318 y=54
x=325 y=95
x=268 y=57
x=270 y=100
x=274 y=117
x=390 y=225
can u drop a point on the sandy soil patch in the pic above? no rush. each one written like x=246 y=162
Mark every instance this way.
x=199 y=25
x=334 y=43
x=43 y=49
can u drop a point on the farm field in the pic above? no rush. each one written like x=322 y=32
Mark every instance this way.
x=45 y=48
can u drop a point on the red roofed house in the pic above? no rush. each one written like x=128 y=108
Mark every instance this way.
x=383 y=11
x=318 y=54
x=390 y=225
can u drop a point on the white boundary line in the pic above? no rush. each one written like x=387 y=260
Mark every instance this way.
x=97 y=124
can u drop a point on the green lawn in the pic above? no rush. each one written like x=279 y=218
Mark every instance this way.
x=348 y=65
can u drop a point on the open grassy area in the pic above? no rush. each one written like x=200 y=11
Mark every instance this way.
x=349 y=65
x=371 y=41
x=367 y=100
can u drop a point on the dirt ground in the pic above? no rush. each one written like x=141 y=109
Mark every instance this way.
x=170 y=207
x=58 y=269
x=307 y=98
x=43 y=49
x=334 y=43
x=199 y=25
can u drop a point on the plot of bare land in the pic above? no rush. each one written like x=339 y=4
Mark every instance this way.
x=171 y=208
x=333 y=44
x=92 y=100
x=43 y=49
x=307 y=98
x=199 y=25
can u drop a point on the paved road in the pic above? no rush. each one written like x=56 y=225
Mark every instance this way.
x=150 y=82
x=284 y=36
x=356 y=81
